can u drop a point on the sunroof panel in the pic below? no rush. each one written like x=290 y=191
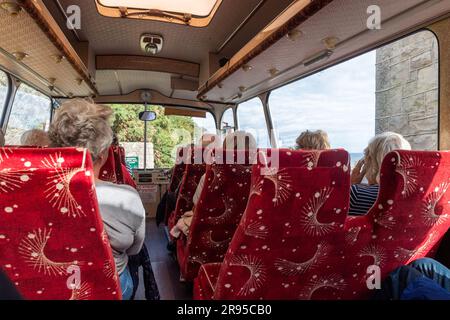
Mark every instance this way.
x=200 y=8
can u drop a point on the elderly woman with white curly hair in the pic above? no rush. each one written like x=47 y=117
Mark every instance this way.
x=363 y=196
x=81 y=123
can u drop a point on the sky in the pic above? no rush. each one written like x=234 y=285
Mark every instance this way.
x=339 y=100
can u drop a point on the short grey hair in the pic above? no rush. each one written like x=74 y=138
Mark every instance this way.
x=35 y=137
x=239 y=140
x=379 y=146
x=82 y=123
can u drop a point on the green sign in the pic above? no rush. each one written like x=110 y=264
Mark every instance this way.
x=132 y=162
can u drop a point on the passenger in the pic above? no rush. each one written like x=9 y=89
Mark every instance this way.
x=2 y=138
x=35 y=138
x=78 y=124
x=239 y=140
x=313 y=140
x=363 y=196
x=422 y=279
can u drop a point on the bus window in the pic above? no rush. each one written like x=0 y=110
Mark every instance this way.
x=3 y=90
x=30 y=110
x=227 y=122
x=204 y=125
x=251 y=119
x=164 y=134
x=389 y=89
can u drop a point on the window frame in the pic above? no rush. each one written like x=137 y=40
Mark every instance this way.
x=5 y=106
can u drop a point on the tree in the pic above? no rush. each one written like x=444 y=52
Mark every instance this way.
x=162 y=132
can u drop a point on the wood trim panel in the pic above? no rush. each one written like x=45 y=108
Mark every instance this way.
x=184 y=112
x=441 y=29
x=145 y=63
x=291 y=18
x=37 y=10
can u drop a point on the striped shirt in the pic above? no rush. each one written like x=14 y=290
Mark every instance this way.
x=362 y=198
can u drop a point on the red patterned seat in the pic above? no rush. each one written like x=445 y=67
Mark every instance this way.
x=178 y=169
x=195 y=168
x=108 y=171
x=310 y=249
x=51 y=231
x=217 y=214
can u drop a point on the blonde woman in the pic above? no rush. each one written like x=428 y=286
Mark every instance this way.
x=35 y=138
x=81 y=123
x=363 y=196
x=313 y=140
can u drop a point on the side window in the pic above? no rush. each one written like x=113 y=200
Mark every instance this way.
x=204 y=125
x=251 y=119
x=227 y=122
x=4 y=86
x=394 y=88
x=30 y=110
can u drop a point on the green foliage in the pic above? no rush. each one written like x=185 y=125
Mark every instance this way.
x=164 y=132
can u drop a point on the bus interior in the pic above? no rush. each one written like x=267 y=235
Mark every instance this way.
x=275 y=226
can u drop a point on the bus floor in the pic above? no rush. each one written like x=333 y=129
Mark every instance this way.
x=164 y=265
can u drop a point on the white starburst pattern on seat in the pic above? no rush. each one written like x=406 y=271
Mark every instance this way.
x=226 y=215
x=333 y=281
x=257 y=273
x=109 y=176
x=4 y=154
x=311 y=159
x=429 y=215
x=32 y=250
x=207 y=239
x=352 y=235
x=109 y=271
x=407 y=168
x=385 y=219
x=58 y=187
x=290 y=268
x=404 y=254
x=197 y=259
x=376 y=252
x=257 y=229
x=12 y=180
x=218 y=177
x=81 y=293
x=281 y=181
x=309 y=214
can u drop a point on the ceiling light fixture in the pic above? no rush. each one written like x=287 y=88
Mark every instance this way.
x=247 y=67
x=151 y=43
x=294 y=35
x=57 y=58
x=12 y=7
x=330 y=42
x=19 y=55
x=273 y=72
x=52 y=83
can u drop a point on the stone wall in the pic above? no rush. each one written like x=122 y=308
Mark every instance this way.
x=407 y=89
x=133 y=149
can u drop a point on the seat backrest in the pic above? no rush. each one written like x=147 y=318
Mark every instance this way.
x=218 y=212
x=118 y=164
x=312 y=250
x=51 y=231
x=292 y=219
x=178 y=169
x=408 y=220
x=108 y=171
